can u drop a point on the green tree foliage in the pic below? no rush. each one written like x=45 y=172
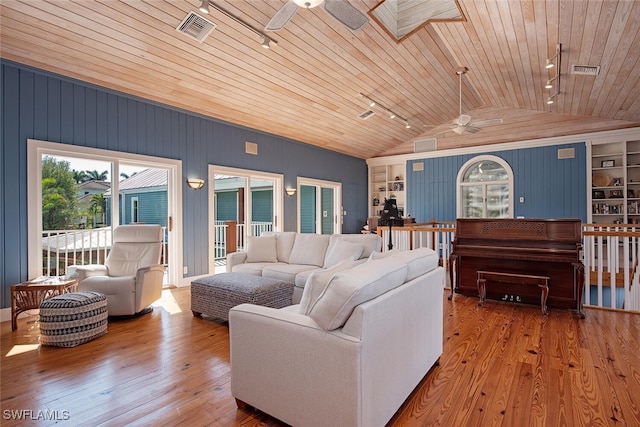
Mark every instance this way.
x=80 y=176
x=97 y=176
x=98 y=206
x=59 y=195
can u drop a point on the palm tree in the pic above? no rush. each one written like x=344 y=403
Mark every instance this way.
x=97 y=176
x=97 y=206
x=80 y=176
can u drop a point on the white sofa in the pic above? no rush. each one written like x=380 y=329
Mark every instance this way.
x=351 y=352
x=292 y=257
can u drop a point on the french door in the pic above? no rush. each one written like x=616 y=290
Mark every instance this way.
x=111 y=188
x=319 y=206
x=243 y=203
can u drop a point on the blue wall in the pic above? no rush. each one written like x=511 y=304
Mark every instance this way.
x=44 y=106
x=551 y=187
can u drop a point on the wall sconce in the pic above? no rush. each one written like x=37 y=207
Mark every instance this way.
x=290 y=191
x=195 y=183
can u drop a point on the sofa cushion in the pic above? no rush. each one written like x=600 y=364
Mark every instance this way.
x=261 y=249
x=284 y=243
x=341 y=250
x=252 y=268
x=370 y=242
x=309 y=249
x=285 y=272
x=317 y=282
x=419 y=261
x=349 y=288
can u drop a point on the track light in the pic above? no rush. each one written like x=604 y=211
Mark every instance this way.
x=392 y=115
x=204 y=6
x=549 y=84
x=555 y=80
x=265 y=42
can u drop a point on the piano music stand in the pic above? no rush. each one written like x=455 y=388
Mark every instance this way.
x=389 y=216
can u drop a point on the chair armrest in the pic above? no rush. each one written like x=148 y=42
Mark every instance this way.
x=149 y=282
x=235 y=258
x=84 y=271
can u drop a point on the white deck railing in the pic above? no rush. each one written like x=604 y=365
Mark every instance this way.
x=220 y=236
x=62 y=248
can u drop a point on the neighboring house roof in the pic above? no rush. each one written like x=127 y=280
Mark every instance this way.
x=94 y=185
x=146 y=179
x=78 y=240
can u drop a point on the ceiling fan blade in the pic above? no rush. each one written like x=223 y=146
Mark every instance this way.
x=459 y=129
x=485 y=123
x=472 y=129
x=344 y=12
x=282 y=16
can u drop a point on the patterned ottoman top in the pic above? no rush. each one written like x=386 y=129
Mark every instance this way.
x=245 y=283
x=73 y=300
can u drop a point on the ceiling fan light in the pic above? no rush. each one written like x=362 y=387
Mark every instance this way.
x=308 y=4
x=204 y=6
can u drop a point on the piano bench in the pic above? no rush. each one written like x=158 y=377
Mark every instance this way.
x=524 y=279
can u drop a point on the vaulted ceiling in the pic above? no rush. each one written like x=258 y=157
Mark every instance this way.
x=307 y=86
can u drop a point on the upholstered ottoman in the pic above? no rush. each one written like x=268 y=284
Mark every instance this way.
x=71 y=319
x=216 y=295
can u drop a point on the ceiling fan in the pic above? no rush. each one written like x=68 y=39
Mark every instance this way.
x=463 y=123
x=341 y=10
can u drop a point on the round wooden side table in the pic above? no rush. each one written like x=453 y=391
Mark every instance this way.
x=29 y=295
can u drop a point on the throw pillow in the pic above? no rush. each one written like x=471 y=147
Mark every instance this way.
x=349 y=288
x=317 y=282
x=340 y=250
x=261 y=249
x=309 y=249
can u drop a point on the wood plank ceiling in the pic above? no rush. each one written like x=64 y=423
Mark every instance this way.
x=307 y=86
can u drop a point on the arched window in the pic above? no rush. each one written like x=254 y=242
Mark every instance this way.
x=485 y=188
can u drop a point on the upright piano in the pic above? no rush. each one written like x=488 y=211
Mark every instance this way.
x=514 y=247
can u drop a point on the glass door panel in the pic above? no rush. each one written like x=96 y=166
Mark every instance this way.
x=308 y=210
x=328 y=210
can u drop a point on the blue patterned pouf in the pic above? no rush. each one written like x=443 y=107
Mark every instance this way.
x=72 y=319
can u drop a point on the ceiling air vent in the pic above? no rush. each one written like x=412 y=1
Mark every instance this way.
x=196 y=26
x=586 y=70
x=424 y=144
x=366 y=114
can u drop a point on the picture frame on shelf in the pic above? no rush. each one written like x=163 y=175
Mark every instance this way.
x=607 y=163
x=630 y=194
x=617 y=182
x=598 y=194
x=615 y=194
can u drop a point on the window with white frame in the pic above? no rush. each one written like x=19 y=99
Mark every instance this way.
x=485 y=188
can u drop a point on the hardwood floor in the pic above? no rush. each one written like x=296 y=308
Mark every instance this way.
x=503 y=364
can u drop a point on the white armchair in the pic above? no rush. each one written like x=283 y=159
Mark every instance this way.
x=131 y=276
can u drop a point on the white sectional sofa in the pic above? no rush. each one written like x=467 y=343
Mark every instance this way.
x=351 y=352
x=292 y=257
